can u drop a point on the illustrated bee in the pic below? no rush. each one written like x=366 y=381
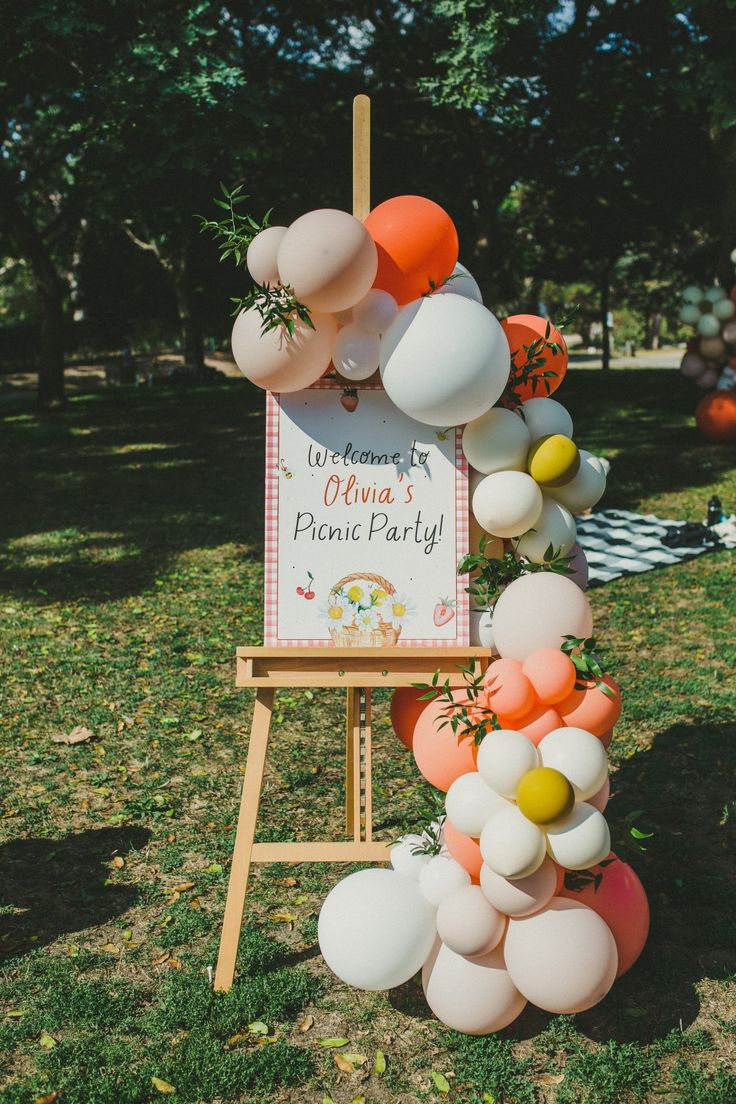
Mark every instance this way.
x=285 y=470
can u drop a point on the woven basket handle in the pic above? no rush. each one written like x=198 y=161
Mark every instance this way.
x=364 y=576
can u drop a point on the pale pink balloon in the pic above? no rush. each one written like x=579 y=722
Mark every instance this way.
x=692 y=365
x=522 y=896
x=563 y=959
x=579 y=565
x=473 y=995
x=262 y=255
x=468 y=923
x=278 y=362
x=329 y=259
x=708 y=380
x=599 y=800
x=729 y=332
x=538 y=611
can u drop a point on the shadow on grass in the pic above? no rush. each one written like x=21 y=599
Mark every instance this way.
x=58 y=886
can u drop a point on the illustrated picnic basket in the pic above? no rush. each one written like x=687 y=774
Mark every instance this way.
x=385 y=632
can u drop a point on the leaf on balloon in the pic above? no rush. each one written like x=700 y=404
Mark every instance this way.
x=379 y=1065
x=440 y=1082
x=78 y=735
x=162 y=1086
x=331 y=1043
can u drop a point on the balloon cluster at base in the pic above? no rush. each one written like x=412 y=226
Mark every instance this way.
x=710 y=359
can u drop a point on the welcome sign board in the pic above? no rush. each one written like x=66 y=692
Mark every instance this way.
x=366 y=521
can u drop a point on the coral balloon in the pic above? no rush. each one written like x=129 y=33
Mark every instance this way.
x=509 y=691
x=262 y=255
x=523 y=330
x=329 y=259
x=406 y=709
x=417 y=246
x=592 y=708
x=473 y=995
x=538 y=722
x=715 y=416
x=551 y=674
x=277 y=361
x=464 y=849
x=538 y=611
x=441 y=755
x=618 y=898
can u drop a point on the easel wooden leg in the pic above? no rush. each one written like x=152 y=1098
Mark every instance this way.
x=244 y=837
x=352 y=765
x=367 y=769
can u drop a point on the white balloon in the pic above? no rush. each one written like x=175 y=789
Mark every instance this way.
x=538 y=611
x=472 y=995
x=564 y=958
x=709 y=326
x=468 y=923
x=481 y=629
x=504 y=757
x=724 y=309
x=356 y=352
x=444 y=360
x=441 y=875
x=693 y=294
x=544 y=417
x=689 y=314
x=376 y=929
x=497 y=441
x=376 y=312
x=403 y=858
x=585 y=488
x=469 y=804
x=511 y=845
x=580 y=840
x=714 y=294
x=507 y=503
x=462 y=284
x=555 y=526
x=577 y=754
x=521 y=897
x=262 y=255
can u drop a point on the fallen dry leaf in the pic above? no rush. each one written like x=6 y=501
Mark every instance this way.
x=551 y=1078
x=162 y=1086
x=283 y=917
x=174 y=964
x=332 y=1043
x=110 y=948
x=379 y=1065
x=305 y=1023
x=118 y=862
x=48 y=1042
x=78 y=735
x=182 y=888
x=343 y=1064
x=160 y=959
x=49 y=1098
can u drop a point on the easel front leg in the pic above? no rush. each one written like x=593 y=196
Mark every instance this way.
x=352 y=764
x=244 y=837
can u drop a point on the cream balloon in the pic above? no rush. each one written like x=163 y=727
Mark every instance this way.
x=356 y=352
x=277 y=361
x=329 y=259
x=724 y=309
x=462 y=282
x=714 y=294
x=262 y=255
x=538 y=611
x=578 y=755
x=521 y=897
x=511 y=845
x=472 y=995
x=507 y=503
x=708 y=380
x=585 y=488
x=600 y=800
x=554 y=528
x=693 y=294
x=481 y=629
x=579 y=566
x=497 y=441
x=468 y=923
x=712 y=348
x=404 y=856
x=375 y=929
x=545 y=417
x=581 y=840
x=563 y=958
x=504 y=757
x=444 y=360
x=376 y=311
x=470 y=803
x=709 y=326
x=689 y=314
x=693 y=365
x=441 y=875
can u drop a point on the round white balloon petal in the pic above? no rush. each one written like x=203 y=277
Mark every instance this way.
x=511 y=845
x=555 y=528
x=441 y=875
x=523 y=896
x=462 y=283
x=581 y=840
x=470 y=803
x=356 y=352
x=543 y=417
x=578 y=755
x=507 y=503
x=585 y=488
x=376 y=311
x=497 y=441
x=504 y=757
x=404 y=858
x=472 y=995
x=468 y=923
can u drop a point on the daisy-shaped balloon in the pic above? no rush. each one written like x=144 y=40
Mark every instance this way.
x=545 y=792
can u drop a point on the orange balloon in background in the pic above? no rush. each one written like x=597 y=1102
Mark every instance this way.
x=715 y=416
x=535 y=724
x=508 y=690
x=441 y=755
x=621 y=901
x=417 y=246
x=464 y=849
x=591 y=709
x=521 y=331
x=405 y=712
x=551 y=674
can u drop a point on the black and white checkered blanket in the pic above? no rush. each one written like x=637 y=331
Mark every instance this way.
x=618 y=542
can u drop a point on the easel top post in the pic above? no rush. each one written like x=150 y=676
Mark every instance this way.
x=361 y=157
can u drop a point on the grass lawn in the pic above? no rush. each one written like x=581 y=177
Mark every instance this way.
x=130 y=568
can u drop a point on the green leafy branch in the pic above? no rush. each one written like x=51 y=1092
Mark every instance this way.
x=587 y=662
x=528 y=372
x=434 y=286
x=277 y=306
x=577 y=880
x=236 y=231
x=468 y=719
x=493 y=574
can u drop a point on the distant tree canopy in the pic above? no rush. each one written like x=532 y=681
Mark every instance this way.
x=581 y=144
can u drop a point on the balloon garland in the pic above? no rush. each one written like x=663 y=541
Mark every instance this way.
x=710 y=359
x=513 y=894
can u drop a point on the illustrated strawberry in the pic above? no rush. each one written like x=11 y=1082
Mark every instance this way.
x=443 y=612
x=349 y=399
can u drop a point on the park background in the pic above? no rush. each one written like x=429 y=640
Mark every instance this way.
x=587 y=153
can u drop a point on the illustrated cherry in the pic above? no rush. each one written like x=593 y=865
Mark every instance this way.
x=300 y=590
x=306 y=590
x=309 y=594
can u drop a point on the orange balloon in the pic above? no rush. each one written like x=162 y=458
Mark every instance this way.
x=405 y=712
x=441 y=755
x=606 y=738
x=508 y=690
x=551 y=674
x=621 y=901
x=591 y=709
x=522 y=330
x=535 y=724
x=417 y=246
x=715 y=416
x=464 y=849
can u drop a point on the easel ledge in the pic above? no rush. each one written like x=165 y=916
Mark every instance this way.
x=281 y=668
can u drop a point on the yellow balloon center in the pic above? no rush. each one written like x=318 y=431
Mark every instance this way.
x=544 y=795
x=553 y=460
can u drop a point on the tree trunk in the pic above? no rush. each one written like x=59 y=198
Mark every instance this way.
x=605 y=307
x=727 y=154
x=51 y=345
x=654 y=330
x=186 y=303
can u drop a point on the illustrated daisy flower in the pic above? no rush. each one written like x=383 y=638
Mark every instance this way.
x=338 y=610
x=400 y=608
x=367 y=619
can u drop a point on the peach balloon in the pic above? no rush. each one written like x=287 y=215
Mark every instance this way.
x=540 y=720
x=606 y=738
x=417 y=246
x=538 y=611
x=406 y=709
x=277 y=361
x=715 y=416
x=523 y=330
x=551 y=674
x=473 y=995
x=262 y=255
x=329 y=259
x=464 y=849
x=509 y=692
x=592 y=709
x=621 y=901
x=441 y=755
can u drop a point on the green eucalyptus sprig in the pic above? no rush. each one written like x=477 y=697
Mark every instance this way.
x=495 y=573
x=528 y=370
x=433 y=810
x=587 y=663
x=277 y=306
x=467 y=719
x=236 y=231
x=434 y=286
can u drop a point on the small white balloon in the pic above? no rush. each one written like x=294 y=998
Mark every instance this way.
x=511 y=845
x=481 y=629
x=715 y=294
x=733 y=256
x=470 y=803
x=497 y=441
x=404 y=858
x=262 y=255
x=472 y=995
x=468 y=923
x=521 y=897
x=555 y=528
x=693 y=294
x=581 y=840
x=544 y=417
x=577 y=754
x=441 y=875
x=689 y=314
x=724 y=309
x=356 y=352
x=376 y=312
x=462 y=283
x=709 y=326
x=585 y=488
x=504 y=757
x=507 y=503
